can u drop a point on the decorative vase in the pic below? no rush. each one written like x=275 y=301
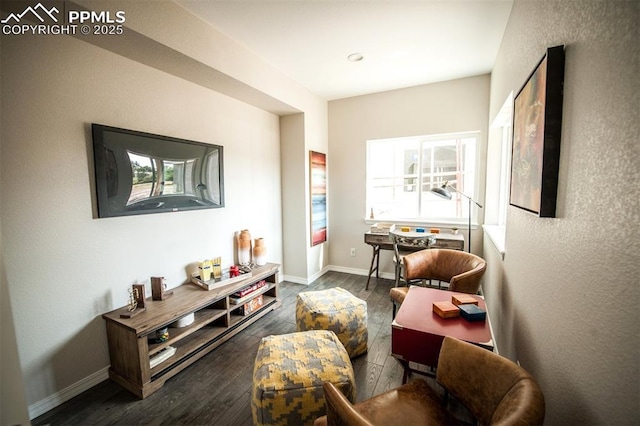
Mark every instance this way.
x=259 y=252
x=244 y=247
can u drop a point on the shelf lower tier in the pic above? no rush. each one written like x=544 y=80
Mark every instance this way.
x=191 y=348
x=203 y=318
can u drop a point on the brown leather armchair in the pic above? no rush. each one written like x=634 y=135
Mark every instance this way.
x=460 y=269
x=493 y=388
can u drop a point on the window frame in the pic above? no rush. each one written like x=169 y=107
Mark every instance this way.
x=497 y=226
x=374 y=215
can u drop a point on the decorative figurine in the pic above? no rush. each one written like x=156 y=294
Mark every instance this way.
x=136 y=301
x=138 y=292
x=234 y=271
x=161 y=335
x=133 y=302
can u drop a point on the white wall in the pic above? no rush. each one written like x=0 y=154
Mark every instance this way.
x=13 y=403
x=195 y=51
x=448 y=107
x=64 y=268
x=564 y=301
x=293 y=182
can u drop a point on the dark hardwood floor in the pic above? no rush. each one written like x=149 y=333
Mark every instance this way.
x=216 y=390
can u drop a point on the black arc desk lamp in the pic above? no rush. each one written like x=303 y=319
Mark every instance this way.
x=442 y=191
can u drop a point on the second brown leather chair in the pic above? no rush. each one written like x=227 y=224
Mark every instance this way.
x=460 y=269
x=493 y=388
x=413 y=404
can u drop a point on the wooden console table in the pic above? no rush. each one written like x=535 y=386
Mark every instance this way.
x=216 y=320
x=384 y=242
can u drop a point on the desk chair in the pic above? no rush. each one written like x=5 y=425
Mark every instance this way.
x=405 y=243
x=494 y=389
x=460 y=269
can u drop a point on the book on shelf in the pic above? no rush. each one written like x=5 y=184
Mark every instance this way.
x=162 y=356
x=234 y=300
x=249 y=289
x=252 y=305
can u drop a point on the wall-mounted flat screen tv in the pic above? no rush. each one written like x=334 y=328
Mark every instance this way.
x=141 y=173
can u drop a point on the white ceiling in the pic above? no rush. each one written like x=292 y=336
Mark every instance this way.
x=404 y=43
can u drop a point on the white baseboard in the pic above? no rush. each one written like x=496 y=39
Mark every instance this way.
x=306 y=281
x=346 y=270
x=58 y=398
x=354 y=271
x=295 y=280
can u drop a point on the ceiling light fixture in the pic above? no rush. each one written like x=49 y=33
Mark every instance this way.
x=355 y=57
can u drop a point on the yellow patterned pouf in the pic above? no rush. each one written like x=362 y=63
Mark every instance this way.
x=337 y=310
x=288 y=374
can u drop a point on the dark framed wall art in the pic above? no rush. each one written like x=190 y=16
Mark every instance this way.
x=537 y=126
x=318 y=183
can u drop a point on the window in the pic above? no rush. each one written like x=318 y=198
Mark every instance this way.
x=498 y=171
x=505 y=169
x=401 y=172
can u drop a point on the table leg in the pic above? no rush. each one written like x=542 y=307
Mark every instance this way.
x=375 y=258
x=408 y=370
